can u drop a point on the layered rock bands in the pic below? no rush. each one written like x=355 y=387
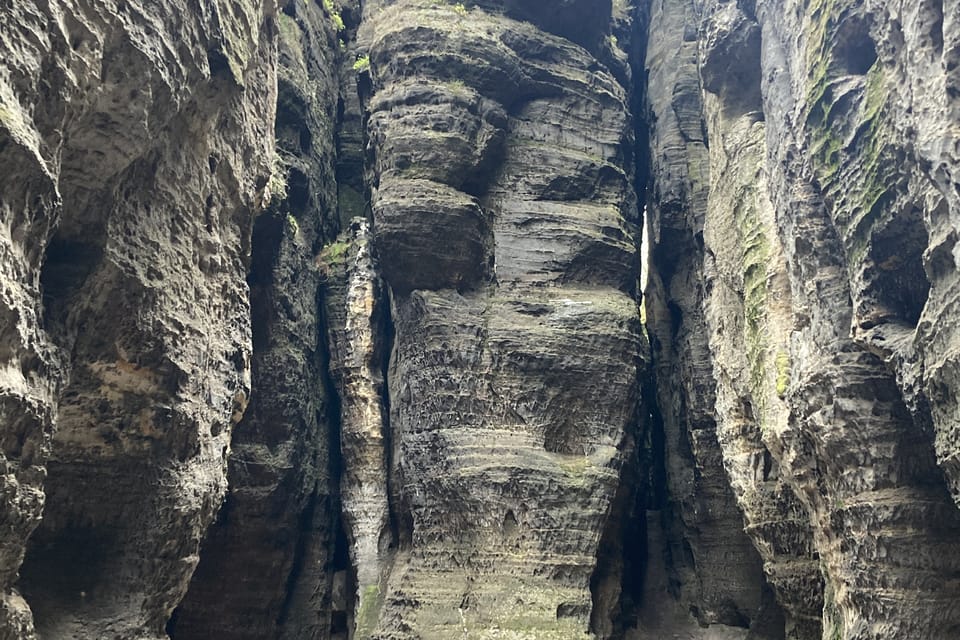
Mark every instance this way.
x=403 y=319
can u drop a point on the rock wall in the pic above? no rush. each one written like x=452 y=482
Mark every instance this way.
x=134 y=140
x=503 y=217
x=278 y=520
x=423 y=319
x=717 y=572
x=816 y=270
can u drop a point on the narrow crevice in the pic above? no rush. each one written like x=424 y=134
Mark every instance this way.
x=401 y=522
x=304 y=529
x=652 y=452
x=265 y=249
x=344 y=588
x=638 y=103
x=936 y=27
x=338 y=553
x=616 y=585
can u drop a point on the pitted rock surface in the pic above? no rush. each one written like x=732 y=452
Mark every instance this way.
x=497 y=319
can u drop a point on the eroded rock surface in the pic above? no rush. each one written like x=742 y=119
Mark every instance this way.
x=421 y=378
x=812 y=306
x=134 y=138
x=355 y=305
x=503 y=217
x=278 y=521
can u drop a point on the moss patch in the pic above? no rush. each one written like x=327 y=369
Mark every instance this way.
x=856 y=172
x=756 y=255
x=362 y=64
x=335 y=252
x=783 y=372
x=369 y=613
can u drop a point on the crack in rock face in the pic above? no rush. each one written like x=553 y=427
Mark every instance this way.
x=397 y=319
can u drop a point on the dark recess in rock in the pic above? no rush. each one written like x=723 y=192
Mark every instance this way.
x=896 y=278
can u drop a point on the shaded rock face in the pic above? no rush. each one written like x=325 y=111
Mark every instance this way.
x=503 y=216
x=716 y=571
x=417 y=319
x=277 y=525
x=132 y=167
x=814 y=313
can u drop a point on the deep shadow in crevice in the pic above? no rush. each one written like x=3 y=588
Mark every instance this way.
x=895 y=277
x=265 y=250
x=401 y=517
x=67 y=263
x=65 y=570
x=616 y=583
x=854 y=50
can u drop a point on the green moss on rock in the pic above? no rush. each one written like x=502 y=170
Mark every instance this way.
x=783 y=372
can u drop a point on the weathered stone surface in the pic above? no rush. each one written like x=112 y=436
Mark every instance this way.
x=456 y=426
x=815 y=278
x=857 y=447
x=715 y=568
x=278 y=520
x=410 y=216
x=534 y=459
x=131 y=171
x=504 y=463
x=355 y=305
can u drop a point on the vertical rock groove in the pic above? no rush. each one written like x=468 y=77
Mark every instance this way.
x=276 y=528
x=714 y=566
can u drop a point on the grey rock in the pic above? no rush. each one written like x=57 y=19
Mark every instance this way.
x=355 y=303
x=138 y=168
x=278 y=518
x=474 y=412
x=513 y=315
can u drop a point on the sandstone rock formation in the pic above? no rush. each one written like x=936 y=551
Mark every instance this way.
x=502 y=212
x=276 y=523
x=410 y=319
x=135 y=139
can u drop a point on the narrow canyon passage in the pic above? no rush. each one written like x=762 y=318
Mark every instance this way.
x=419 y=319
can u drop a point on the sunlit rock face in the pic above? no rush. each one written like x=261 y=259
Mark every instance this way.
x=498 y=319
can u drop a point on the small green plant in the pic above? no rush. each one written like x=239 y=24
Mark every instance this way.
x=612 y=39
x=335 y=252
x=361 y=64
x=335 y=16
x=460 y=9
x=459 y=88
